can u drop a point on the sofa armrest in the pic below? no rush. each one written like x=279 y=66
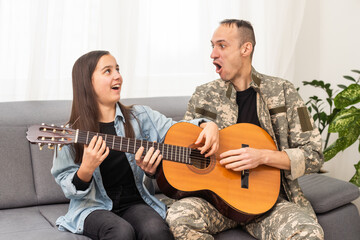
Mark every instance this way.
x=327 y=193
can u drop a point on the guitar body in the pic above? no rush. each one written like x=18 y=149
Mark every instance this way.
x=218 y=185
x=185 y=172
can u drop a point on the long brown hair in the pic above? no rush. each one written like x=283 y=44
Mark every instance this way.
x=85 y=111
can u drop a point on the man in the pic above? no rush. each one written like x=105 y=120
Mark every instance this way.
x=244 y=95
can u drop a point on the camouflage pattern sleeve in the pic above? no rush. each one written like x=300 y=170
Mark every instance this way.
x=190 y=112
x=304 y=139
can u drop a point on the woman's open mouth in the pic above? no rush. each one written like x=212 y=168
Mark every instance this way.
x=116 y=87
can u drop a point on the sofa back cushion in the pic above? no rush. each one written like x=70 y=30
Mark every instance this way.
x=172 y=107
x=47 y=190
x=25 y=178
x=16 y=172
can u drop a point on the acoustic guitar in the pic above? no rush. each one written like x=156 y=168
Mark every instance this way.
x=185 y=172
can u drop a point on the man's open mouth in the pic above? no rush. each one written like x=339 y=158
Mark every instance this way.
x=218 y=67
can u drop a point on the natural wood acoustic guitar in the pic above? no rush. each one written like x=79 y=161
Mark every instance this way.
x=185 y=172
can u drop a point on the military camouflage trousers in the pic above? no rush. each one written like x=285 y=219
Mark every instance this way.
x=195 y=218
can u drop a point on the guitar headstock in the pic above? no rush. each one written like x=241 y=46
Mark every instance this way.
x=50 y=135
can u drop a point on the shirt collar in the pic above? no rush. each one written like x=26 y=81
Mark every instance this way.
x=118 y=113
x=255 y=83
x=255 y=77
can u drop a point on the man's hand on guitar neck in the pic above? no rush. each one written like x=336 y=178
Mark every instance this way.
x=249 y=158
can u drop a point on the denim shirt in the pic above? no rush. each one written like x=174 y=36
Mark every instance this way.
x=150 y=126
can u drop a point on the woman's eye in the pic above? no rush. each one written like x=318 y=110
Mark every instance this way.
x=107 y=71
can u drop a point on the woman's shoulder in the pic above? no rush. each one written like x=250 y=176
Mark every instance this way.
x=140 y=109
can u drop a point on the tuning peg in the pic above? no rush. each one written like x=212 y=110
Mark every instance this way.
x=40 y=146
x=50 y=146
x=53 y=125
x=43 y=124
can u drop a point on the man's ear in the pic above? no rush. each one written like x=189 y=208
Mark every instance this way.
x=246 y=49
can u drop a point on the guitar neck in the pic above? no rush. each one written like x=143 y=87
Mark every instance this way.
x=131 y=145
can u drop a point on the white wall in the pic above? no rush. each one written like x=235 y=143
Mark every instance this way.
x=328 y=48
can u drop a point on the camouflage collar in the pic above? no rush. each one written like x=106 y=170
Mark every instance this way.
x=256 y=79
x=255 y=83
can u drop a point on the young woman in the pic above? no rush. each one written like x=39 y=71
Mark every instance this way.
x=108 y=199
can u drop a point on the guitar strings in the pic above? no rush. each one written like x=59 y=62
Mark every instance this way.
x=178 y=153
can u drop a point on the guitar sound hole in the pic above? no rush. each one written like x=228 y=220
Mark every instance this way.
x=200 y=164
x=199 y=160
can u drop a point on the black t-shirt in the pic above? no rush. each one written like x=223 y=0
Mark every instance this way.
x=115 y=169
x=246 y=101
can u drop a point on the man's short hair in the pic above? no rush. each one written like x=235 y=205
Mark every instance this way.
x=245 y=29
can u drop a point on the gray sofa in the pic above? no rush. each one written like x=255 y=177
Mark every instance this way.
x=31 y=201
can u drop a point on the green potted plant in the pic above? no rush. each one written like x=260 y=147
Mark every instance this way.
x=343 y=117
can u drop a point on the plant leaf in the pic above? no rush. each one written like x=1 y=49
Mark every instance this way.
x=349 y=96
x=356 y=71
x=356 y=178
x=346 y=123
x=315 y=98
x=334 y=148
x=345 y=119
x=333 y=114
x=344 y=141
x=315 y=83
x=342 y=86
x=330 y=101
x=349 y=78
x=323 y=116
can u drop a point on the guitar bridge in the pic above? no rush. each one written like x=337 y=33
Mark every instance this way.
x=245 y=174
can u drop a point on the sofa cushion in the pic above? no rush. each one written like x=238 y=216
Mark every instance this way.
x=16 y=172
x=52 y=212
x=29 y=223
x=47 y=190
x=34 y=112
x=346 y=217
x=172 y=107
x=326 y=193
x=234 y=234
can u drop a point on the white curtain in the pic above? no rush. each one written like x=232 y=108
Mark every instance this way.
x=162 y=46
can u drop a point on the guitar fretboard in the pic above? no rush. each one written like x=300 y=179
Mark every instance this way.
x=131 y=145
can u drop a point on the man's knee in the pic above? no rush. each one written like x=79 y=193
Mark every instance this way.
x=308 y=231
x=187 y=219
x=184 y=212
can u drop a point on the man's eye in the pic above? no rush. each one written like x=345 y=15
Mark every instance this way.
x=222 y=45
